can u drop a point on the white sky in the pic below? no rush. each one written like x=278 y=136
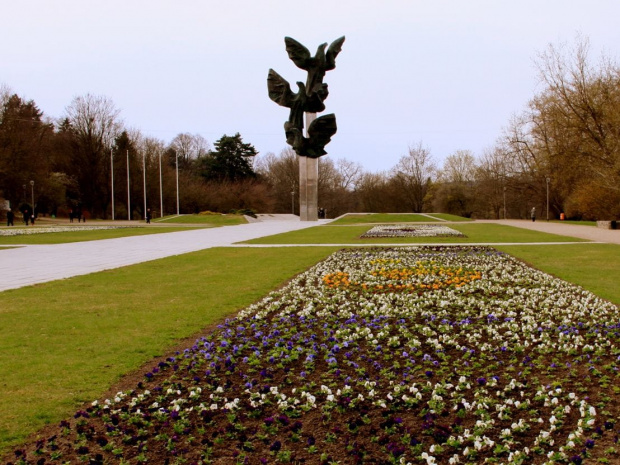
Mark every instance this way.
x=448 y=73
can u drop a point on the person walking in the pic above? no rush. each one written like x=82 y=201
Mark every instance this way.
x=148 y=216
x=9 y=217
x=533 y=214
x=26 y=217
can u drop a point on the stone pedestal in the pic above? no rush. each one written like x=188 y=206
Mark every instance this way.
x=308 y=188
x=607 y=224
x=309 y=183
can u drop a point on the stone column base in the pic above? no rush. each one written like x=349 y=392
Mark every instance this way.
x=308 y=189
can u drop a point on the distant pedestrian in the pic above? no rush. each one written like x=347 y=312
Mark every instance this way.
x=148 y=216
x=26 y=217
x=9 y=217
x=32 y=219
x=70 y=216
x=533 y=213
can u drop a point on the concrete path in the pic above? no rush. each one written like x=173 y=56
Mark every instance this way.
x=32 y=264
x=590 y=233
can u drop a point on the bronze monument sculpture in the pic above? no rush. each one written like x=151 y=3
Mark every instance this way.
x=309 y=99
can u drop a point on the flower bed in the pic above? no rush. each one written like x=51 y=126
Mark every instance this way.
x=429 y=355
x=56 y=229
x=408 y=230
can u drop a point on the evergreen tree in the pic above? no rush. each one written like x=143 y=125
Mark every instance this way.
x=230 y=161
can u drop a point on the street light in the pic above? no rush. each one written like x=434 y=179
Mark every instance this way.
x=128 y=190
x=161 y=195
x=144 y=180
x=32 y=187
x=548 y=180
x=112 y=179
x=504 y=202
x=293 y=201
x=177 y=154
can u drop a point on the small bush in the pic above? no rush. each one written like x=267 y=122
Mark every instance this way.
x=244 y=211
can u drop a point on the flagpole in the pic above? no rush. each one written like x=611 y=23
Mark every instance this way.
x=112 y=171
x=128 y=193
x=144 y=180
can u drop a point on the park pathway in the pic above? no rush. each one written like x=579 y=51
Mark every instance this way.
x=590 y=233
x=32 y=264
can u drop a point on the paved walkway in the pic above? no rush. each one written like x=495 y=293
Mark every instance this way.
x=32 y=264
x=590 y=233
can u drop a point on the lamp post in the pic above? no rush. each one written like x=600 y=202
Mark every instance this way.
x=293 y=201
x=177 y=157
x=112 y=180
x=161 y=195
x=32 y=188
x=548 y=180
x=128 y=191
x=504 y=202
x=144 y=180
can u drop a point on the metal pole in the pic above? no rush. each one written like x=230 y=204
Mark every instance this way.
x=293 y=201
x=144 y=180
x=161 y=195
x=177 y=184
x=128 y=193
x=112 y=171
x=548 y=179
x=504 y=202
x=32 y=187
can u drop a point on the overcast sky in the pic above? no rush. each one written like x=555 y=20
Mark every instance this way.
x=447 y=73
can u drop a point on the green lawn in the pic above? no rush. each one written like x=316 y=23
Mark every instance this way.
x=354 y=218
x=580 y=223
x=596 y=267
x=359 y=218
x=82 y=236
x=448 y=217
x=485 y=232
x=214 y=220
x=66 y=342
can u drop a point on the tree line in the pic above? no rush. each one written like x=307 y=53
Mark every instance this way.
x=560 y=153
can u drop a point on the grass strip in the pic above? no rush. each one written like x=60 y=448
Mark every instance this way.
x=579 y=223
x=592 y=266
x=357 y=218
x=476 y=233
x=85 y=235
x=66 y=342
x=448 y=217
x=214 y=220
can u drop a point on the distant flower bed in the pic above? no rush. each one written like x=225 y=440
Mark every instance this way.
x=55 y=229
x=407 y=230
x=417 y=355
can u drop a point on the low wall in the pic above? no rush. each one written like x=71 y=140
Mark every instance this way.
x=606 y=224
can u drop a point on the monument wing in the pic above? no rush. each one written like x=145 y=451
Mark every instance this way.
x=279 y=89
x=299 y=54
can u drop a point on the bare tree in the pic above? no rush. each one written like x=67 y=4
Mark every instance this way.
x=454 y=193
x=5 y=94
x=460 y=167
x=281 y=173
x=350 y=173
x=189 y=147
x=413 y=176
x=94 y=122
